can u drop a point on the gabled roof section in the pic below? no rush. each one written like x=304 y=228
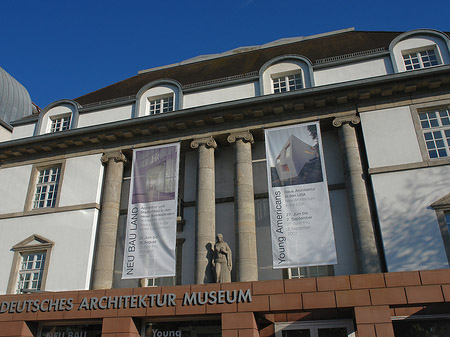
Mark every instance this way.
x=34 y=241
x=444 y=202
x=248 y=61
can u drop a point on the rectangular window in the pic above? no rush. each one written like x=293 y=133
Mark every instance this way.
x=160 y=281
x=287 y=83
x=335 y=328
x=47 y=187
x=419 y=328
x=420 y=59
x=312 y=271
x=60 y=124
x=436 y=132
x=164 y=104
x=30 y=272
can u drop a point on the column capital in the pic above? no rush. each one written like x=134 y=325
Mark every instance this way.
x=353 y=119
x=118 y=156
x=207 y=141
x=246 y=136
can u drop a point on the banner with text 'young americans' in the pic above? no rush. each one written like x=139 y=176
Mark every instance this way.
x=300 y=214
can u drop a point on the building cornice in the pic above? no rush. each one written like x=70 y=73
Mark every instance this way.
x=318 y=102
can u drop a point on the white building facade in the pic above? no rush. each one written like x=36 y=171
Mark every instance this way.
x=382 y=101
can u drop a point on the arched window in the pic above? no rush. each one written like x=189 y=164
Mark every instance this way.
x=419 y=49
x=287 y=73
x=58 y=116
x=158 y=97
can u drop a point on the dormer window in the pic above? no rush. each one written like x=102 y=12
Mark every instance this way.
x=287 y=73
x=60 y=124
x=159 y=97
x=288 y=82
x=58 y=116
x=160 y=105
x=418 y=49
x=420 y=59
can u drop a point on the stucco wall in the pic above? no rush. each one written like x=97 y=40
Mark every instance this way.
x=353 y=71
x=14 y=180
x=105 y=116
x=71 y=259
x=411 y=236
x=5 y=134
x=23 y=131
x=82 y=181
x=219 y=95
x=390 y=137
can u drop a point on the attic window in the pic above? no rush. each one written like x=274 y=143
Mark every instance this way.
x=286 y=82
x=420 y=59
x=160 y=105
x=60 y=124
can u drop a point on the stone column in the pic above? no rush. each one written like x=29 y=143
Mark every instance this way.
x=244 y=207
x=109 y=218
x=362 y=224
x=206 y=209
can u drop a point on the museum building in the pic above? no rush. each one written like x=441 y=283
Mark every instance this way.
x=381 y=101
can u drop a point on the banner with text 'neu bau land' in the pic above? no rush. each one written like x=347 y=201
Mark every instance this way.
x=152 y=213
x=300 y=214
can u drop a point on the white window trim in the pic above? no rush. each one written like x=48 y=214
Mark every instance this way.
x=285 y=64
x=43 y=246
x=161 y=101
x=155 y=90
x=417 y=51
x=330 y=270
x=46 y=191
x=63 y=125
x=415 y=111
x=158 y=281
x=442 y=208
x=55 y=110
x=314 y=325
x=286 y=75
x=418 y=40
x=31 y=193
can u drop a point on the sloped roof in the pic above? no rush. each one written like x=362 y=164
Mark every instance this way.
x=246 y=62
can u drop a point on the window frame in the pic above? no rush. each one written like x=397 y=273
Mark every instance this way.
x=63 y=126
x=59 y=109
x=313 y=326
x=155 y=90
x=285 y=76
x=32 y=185
x=160 y=101
x=420 y=58
x=309 y=272
x=418 y=109
x=24 y=247
x=442 y=209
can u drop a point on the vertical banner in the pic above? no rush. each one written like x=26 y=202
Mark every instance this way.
x=300 y=214
x=152 y=213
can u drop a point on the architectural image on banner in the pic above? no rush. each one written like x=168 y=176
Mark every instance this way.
x=151 y=223
x=300 y=214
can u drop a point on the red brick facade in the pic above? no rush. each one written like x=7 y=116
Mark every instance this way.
x=371 y=300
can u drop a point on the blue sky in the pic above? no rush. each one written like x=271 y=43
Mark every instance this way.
x=65 y=49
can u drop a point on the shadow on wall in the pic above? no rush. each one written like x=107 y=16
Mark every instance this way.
x=410 y=231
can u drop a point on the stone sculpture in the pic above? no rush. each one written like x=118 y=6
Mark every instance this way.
x=222 y=260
